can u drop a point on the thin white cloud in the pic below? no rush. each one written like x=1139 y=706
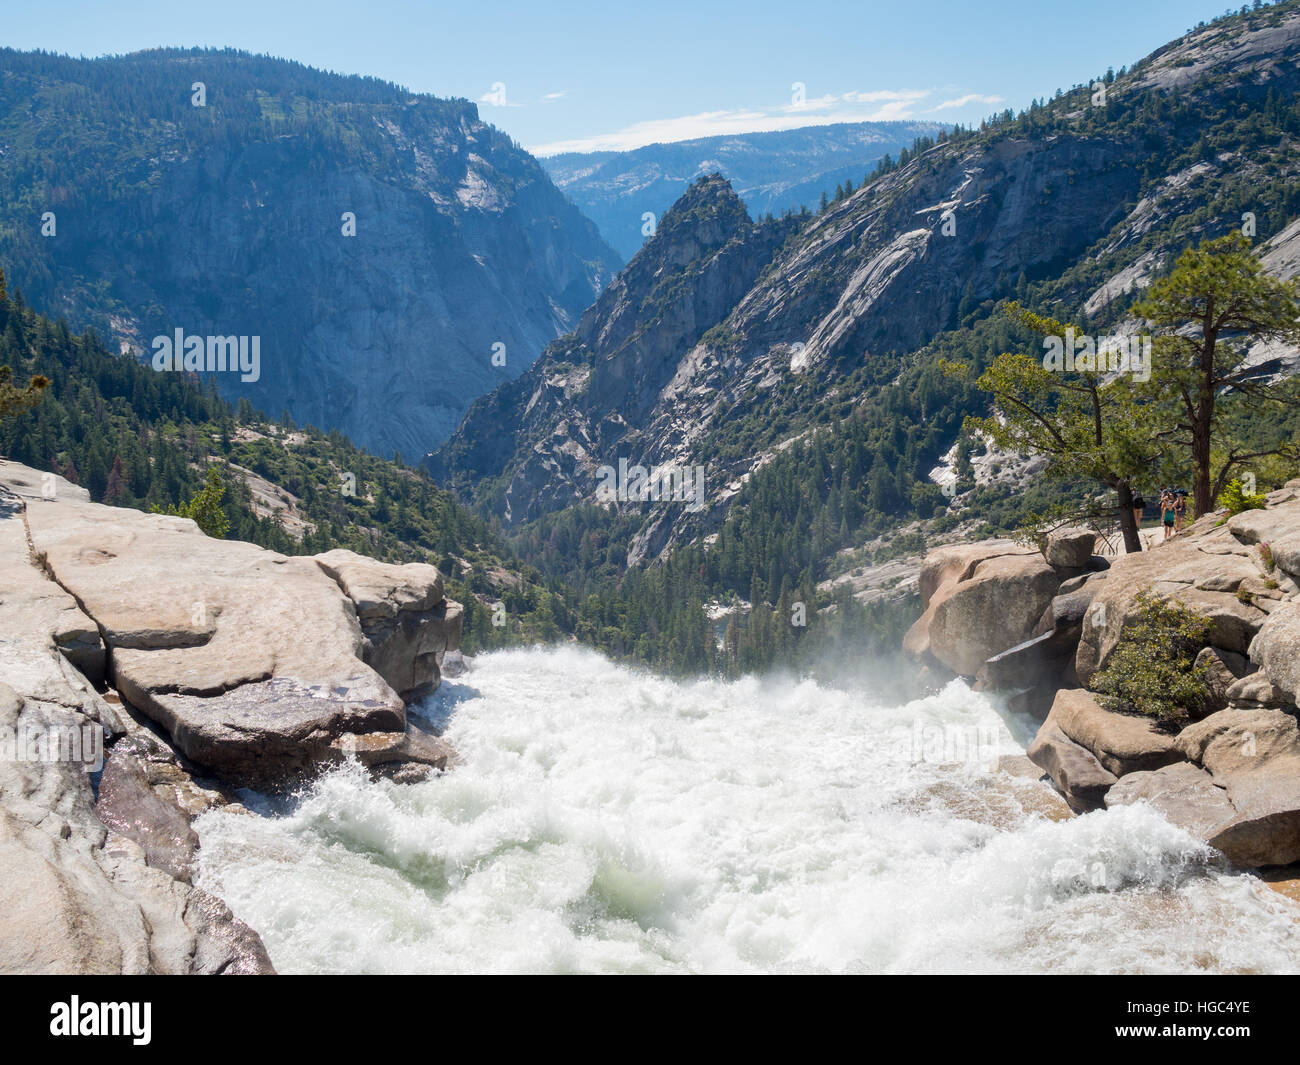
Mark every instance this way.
x=552 y=96
x=889 y=106
x=963 y=101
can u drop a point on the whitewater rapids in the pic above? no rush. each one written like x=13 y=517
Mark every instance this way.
x=606 y=820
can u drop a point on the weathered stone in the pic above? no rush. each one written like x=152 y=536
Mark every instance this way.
x=406 y=756
x=1261 y=838
x=1027 y=665
x=1064 y=615
x=1255 y=755
x=1122 y=743
x=38 y=619
x=382 y=589
x=1238 y=741
x=1286 y=555
x=1233 y=624
x=941 y=571
x=128 y=805
x=996 y=608
x=1277 y=525
x=1172 y=570
x=1256 y=691
x=1221 y=673
x=61 y=913
x=268 y=733
x=1277 y=649
x=78 y=898
x=455 y=664
x=1070 y=548
x=75 y=897
x=1184 y=793
x=251 y=661
x=1075 y=583
x=1073 y=769
x=405 y=618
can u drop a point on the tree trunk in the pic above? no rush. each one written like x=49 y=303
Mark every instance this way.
x=1203 y=420
x=1202 y=493
x=1127 y=524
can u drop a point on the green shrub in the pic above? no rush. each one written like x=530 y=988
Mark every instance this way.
x=1234 y=498
x=205 y=508
x=1152 y=670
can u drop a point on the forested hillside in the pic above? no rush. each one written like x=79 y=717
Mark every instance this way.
x=816 y=399
x=136 y=438
x=378 y=242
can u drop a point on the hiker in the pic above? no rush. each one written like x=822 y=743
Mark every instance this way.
x=1167 y=511
x=1180 y=509
x=1139 y=505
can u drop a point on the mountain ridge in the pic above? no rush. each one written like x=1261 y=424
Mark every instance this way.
x=1058 y=201
x=773 y=171
x=381 y=243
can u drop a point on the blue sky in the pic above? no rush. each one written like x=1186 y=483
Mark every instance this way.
x=587 y=75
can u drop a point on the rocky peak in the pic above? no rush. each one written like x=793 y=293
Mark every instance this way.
x=707 y=216
x=718 y=314
x=582 y=405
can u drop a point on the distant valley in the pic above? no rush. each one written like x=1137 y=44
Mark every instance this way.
x=772 y=172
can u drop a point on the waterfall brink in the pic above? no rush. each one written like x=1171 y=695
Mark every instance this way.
x=605 y=820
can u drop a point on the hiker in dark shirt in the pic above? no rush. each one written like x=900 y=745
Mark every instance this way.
x=1180 y=509
x=1139 y=505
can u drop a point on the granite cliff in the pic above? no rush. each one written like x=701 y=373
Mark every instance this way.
x=146 y=671
x=1039 y=626
x=378 y=242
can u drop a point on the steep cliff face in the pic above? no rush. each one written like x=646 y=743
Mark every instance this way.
x=1090 y=195
x=588 y=401
x=229 y=219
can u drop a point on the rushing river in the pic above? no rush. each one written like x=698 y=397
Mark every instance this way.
x=605 y=820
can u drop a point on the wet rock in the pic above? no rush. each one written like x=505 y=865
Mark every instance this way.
x=128 y=805
x=403 y=756
x=1122 y=743
x=1184 y=793
x=454 y=664
x=1074 y=770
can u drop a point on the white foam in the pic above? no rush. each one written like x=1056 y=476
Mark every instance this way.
x=606 y=820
